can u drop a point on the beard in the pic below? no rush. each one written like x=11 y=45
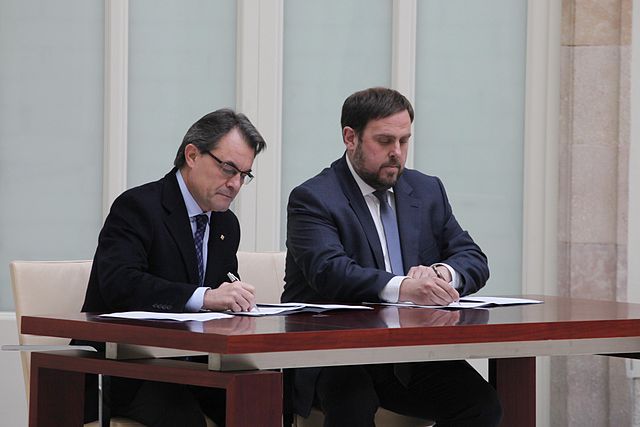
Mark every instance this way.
x=380 y=179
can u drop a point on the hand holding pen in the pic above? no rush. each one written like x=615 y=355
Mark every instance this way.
x=235 y=296
x=232 y=277
x=427 y=285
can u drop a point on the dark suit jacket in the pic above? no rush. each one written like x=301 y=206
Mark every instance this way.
x=146 y=260
x=146 y=257
x=334 y=253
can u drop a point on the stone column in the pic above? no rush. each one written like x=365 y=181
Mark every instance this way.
x=594 y=147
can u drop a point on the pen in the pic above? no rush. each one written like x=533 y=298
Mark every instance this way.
x=435 y=270
x=441 y=277
x=233 y=278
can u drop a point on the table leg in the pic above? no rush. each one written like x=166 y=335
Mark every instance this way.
x=515 y=382
x=56 y=397
x=254 y=401
x=57 y=387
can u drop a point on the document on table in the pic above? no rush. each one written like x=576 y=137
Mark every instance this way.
x=297 y=307
x=262 y=310
x=181 y=317
x=472 y=302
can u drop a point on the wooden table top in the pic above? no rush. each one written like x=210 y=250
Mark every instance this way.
x=557 y=318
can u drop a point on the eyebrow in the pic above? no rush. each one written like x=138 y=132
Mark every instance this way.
x=234 y=165
x=389 y=135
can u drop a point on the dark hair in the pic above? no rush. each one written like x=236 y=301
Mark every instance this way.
x=371 y=104
x=207 y=132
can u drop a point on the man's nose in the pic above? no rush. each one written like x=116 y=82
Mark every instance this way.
x=395 y=149
x=235 y=182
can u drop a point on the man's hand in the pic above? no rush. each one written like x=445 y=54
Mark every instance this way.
x=424 y=287
x=420 y=271
x=236 y=296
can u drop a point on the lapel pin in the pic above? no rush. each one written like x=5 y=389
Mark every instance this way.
x=222 y=237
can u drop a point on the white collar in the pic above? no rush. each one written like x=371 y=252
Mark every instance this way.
x=193 y=208
x=365 y=188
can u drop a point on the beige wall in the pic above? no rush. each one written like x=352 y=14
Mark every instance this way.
x=593 y=198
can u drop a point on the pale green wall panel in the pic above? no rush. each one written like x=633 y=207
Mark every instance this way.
x=182 y=65
x=51 y=127
x=331 y=49
x=469 y=127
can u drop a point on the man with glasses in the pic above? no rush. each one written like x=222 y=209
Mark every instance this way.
x=170 y=245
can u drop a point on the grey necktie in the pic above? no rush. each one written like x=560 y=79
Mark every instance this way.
x=390 y=225
x=402 y=371
x=201 y=225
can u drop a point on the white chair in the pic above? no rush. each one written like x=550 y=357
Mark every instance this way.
x=52 y=287
x=265 y=270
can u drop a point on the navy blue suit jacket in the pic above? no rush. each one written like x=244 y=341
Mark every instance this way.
x=334 y=253
x=333 y=249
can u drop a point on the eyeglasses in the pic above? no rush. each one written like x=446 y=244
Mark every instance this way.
x=230 y=170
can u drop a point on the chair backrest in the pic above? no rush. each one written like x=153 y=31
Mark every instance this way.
x=58 y=287
x=264 y=270
x=46 y=287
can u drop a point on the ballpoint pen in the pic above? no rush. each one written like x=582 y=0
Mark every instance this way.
x=435 y=270
x=440 y=276
x=233 y=278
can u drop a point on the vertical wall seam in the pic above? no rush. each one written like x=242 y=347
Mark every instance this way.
x=116 y=54
x=403 y=54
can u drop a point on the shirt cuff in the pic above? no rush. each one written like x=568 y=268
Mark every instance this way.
x=455 y=277
x=391 y=291
x=196 y=302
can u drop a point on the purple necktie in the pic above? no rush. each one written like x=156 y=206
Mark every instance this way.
x=201 y=226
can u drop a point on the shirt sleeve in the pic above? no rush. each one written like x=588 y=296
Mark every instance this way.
x=455 y=277
x=196 y=302
x=391 y=291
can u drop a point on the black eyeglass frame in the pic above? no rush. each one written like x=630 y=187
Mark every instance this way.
x=232 y=170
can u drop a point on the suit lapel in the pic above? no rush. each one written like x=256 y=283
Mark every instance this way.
x=215 y=246
x=359 y=205
x=177 y=223
x=408 y=213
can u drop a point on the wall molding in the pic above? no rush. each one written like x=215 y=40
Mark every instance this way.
x=116 y=64
x=633 y=243
x=633 y=225
x=8 y=315
x=403 y=54
x=541 y=143
x=540 y=170
x=259 y=96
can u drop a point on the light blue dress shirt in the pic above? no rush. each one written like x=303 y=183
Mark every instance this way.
x=196 y=301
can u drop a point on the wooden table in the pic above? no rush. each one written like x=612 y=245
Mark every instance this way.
x=242 y=349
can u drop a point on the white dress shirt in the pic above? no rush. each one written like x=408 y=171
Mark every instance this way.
x=391 y=291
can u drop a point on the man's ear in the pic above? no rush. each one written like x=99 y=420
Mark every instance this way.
x=349 y=138
x=190 y=154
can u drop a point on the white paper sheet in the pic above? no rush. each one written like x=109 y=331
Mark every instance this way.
x=472 y=302
x=297 y=307
x=181 y=317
